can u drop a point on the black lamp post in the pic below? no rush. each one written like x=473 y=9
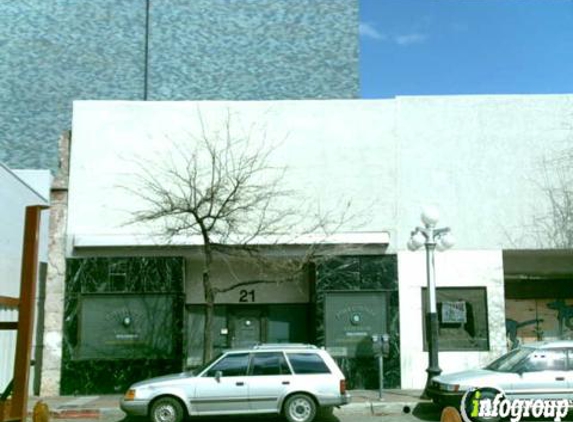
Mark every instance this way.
x=431 y=238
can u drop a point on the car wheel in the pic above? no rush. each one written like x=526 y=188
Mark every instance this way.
x=300 y=408
x=166 y=409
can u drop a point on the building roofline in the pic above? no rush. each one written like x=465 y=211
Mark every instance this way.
x=111 y=240
x=19 y=179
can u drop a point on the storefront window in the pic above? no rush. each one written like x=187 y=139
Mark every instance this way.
x=462 y=316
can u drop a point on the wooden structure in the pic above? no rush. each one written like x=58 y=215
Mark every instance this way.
x=15 y=409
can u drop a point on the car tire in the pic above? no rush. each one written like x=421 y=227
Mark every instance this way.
x=166 y=409
x=300 y=408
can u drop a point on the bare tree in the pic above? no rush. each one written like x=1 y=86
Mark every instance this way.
x=554 y=227
x=222 y=187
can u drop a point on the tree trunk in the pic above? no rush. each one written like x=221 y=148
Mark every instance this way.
x=209 y=312
x=209 y=294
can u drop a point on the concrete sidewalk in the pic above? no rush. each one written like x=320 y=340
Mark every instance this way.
x=107 y=406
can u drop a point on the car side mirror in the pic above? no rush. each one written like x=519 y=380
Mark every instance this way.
x=218 y=375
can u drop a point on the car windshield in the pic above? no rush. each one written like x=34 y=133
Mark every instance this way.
x=509 y=361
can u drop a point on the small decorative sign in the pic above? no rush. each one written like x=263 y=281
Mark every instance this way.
x=353 y=318
x=454 y=312
x=116 y=326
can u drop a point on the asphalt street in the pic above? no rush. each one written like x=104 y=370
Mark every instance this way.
x=422 y=412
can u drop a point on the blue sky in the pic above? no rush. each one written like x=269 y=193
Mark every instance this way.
x=450 y=47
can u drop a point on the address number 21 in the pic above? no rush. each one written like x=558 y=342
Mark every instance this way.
x=246 y=296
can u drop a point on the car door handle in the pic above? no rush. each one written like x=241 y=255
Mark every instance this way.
x=240 y=383
x=560 y=379
x=286 y=382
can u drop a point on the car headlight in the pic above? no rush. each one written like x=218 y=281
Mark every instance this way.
x=450 y=387
x=129 y=395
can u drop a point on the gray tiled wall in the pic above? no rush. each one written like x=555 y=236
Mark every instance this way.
x=56 y=51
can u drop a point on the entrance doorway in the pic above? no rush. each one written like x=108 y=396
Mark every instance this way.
x=247 y=327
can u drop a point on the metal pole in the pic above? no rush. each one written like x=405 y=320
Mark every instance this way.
x=432 y=313
x=381 y=372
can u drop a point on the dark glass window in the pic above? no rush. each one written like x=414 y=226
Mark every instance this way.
x=307 y=363
x=117 y=275
x=269 y=364
x=142 y=274
x=462 y=317
x=545 y=360
x=231 y=365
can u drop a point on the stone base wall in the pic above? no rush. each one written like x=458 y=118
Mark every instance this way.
x=56 y=277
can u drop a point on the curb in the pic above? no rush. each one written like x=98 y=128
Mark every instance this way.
x=85 y=413
x=379 y=408
x=75 y=414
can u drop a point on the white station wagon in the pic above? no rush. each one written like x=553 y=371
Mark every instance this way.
x=294 y=380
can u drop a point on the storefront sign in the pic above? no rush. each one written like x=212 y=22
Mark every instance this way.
x=351 y=319
x=454 y=312
x=126 y=327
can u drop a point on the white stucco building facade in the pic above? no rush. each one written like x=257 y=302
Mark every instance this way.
x=477 y=158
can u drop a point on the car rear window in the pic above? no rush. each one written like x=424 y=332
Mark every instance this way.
x=307 y=363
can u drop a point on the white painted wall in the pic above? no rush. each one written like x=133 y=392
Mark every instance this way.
x=454 y=268
x=18 y=189
x=479 y=159
x=476 y=157
x=40 y=181
x=320 y=149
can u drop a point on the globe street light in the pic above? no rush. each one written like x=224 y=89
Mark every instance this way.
x=432 y=238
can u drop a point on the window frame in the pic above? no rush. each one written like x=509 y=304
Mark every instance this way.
x=442 y=348
x=208 y=370
x=569 y=352
x=294 y=371
x=520 y=367
x=279 y=353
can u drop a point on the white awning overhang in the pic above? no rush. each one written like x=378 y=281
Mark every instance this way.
x=338 y=243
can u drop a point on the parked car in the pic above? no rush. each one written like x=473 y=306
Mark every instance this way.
x=291 y=379
x=537 y=370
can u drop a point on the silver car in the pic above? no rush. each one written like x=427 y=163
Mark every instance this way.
x=537 y=370
x=294 y=380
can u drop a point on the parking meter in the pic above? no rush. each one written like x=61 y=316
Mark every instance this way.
x=381 y=346
x=375 y=344
x=385 y=345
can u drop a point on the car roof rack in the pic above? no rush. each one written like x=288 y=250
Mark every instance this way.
x=284 y=346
